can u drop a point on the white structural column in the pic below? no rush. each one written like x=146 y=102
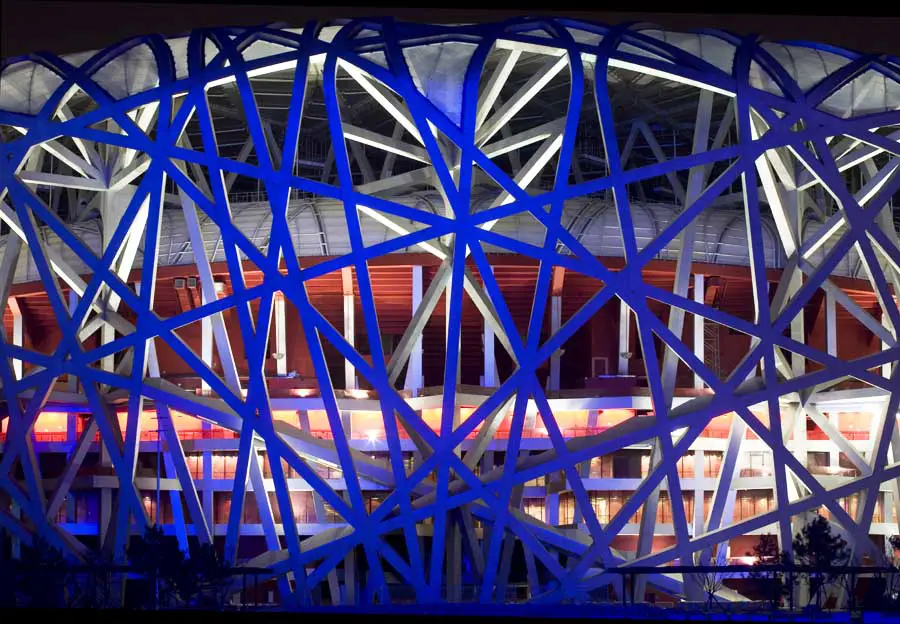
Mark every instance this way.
x=349 y=327
x=699 y=492
x=17 y=371
x=490 y=360
x=206 y=349
x=209 y=292
x=555 y=323
x=624 y=336
x=110 y=213
x=71 y=419
x=831 y=348
x=414 y=381
x=280 y=336
x=830 y=324
x=886 y=368
x=699 y=297
x=18 y=333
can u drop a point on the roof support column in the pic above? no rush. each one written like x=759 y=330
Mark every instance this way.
x=559 y=274
x=830 y=324
x=886 y=368
x=72 y=385
x=280 y=336
x=206 y=349
x=624 y=336
x=699 y=492
x=349 y=328
x=491 y=377
x=18 y=334
x=699 y=297
x=454 y=541
x=414 y=381
x=334 y=588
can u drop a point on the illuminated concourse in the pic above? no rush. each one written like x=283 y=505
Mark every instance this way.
x=413 y=313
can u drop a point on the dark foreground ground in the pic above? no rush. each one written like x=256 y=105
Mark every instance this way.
x=440 y=615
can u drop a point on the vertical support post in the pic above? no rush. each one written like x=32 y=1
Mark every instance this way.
x=206 y=349
x=454 y=541
x=107 y=364
x=414 y=381
x=886 y=368
x=349 y=570
x=71 y=421
x=555 y=323
x=349 y=328
x=551 y=509
x=208 y=507
x=280 y=336
x=830 y=324
x=490 y=361
x=699 y=297
x=18 y=334
x=15 y=543
x=107 y=335
x=334 y=588
x=798 y=362
x=834 y=454
x=699 y=492
x=72 y=386
x=624 y=336
x=447 y=301
x=487 y=464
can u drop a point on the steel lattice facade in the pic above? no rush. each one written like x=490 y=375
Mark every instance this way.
x=181 y=217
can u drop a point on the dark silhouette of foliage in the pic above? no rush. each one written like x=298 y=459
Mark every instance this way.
x=162 y=564
x=42 y=575
x=891 y=597
x=774 y=585
x=817 y=548
x=92 y=588
x=711 y=583
x=197 y=580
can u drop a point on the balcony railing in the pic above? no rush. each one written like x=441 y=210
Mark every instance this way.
x=756 y=472
x=818 y=434
x=325 y=434
x=833 y=471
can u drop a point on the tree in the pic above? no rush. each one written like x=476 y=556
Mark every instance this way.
x=711 y=583
x=816 y=548
x=43 y=572
x=94 y=589
x=774 y=585
x=198 y=580
x=892 y=582
x=211 y=579
x=162 y=564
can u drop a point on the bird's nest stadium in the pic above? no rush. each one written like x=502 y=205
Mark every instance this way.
x=467 y=313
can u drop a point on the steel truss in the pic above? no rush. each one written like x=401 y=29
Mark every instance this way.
x=457 y=126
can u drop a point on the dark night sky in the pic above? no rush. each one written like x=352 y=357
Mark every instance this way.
x=72 y=26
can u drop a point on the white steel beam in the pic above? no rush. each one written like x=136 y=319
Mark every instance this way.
x=699 y=344
x=624 y=336
x=208 y=293
x=280 y=336
x=349 y=326
x=520 y=98
x=18 y=333
x=414 y=381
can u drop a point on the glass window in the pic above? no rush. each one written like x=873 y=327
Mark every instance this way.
x=566 y=508
x=686 y=465
x=195 y=464
x=534 y=507
x=712 y=463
